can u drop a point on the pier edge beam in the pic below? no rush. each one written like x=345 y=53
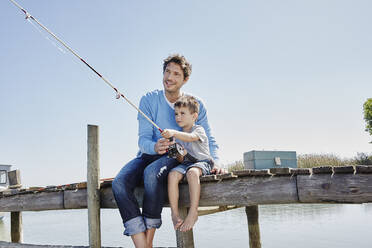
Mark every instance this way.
x=253 y=226
x=15 y=217
x=184 y=239
x=93 y=188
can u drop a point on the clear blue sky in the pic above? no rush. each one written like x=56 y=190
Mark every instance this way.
x=275 y=75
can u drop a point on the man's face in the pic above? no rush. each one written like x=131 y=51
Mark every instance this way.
x=173 y=78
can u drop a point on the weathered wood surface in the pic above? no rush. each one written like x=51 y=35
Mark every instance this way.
x=16 y=227
x=184 y=239
x=351 y=184
x=253 y=226
x=93 y=188
x=338 y=188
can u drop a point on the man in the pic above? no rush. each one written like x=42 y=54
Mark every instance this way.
x=152 y=164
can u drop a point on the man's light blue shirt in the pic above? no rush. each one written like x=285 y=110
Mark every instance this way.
x=155 y=105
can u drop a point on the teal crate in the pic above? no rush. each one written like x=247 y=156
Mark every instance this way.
x=270 y=159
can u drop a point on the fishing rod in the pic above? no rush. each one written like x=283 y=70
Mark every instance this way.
x=118 y=93
x=175 y=150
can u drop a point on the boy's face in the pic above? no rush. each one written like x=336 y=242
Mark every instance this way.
x=184 y=118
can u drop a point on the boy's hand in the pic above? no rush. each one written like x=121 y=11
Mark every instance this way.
x=168 y=133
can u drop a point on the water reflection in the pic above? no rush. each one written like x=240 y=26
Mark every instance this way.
x=282 y=226
x=5 y=229
x=302 y=211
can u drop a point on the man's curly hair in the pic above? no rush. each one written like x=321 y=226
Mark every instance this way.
x=181 y=61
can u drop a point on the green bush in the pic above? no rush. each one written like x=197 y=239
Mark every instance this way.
x=315 y=160
x=363 y=159
x=235 y=166
x=367 y=109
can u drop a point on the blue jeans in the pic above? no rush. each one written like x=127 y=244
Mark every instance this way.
x=153 y=171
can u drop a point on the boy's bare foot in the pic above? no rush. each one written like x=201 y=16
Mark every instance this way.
x=189 y=222
x=177 y=221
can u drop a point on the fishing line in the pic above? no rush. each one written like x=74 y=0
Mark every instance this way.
x=30 y=18
x=46 y=37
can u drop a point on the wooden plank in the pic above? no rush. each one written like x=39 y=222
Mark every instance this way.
x=300 y=171
x=279 y=171
x=253 y=226
x=363 y=169
x=244 y=191
x=226 y=176
x=339 y=188
x=16 y=228
x=32 y=202
x=214 y=210
x=75 y=199
x=322 y=170
x=343 y=169
x=208 y=178
x=93 y=188
x=251 y=172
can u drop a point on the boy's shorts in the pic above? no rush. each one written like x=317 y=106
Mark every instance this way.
x=204 y=165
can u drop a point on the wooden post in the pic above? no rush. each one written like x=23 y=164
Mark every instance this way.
x=15 y=217
x=93 y=188
x=253 y=226
x=184 y=239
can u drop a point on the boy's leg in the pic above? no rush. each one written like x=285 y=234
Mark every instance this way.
x=193 y=180
x=139 y=240
x=150 y=233
x=174 y=178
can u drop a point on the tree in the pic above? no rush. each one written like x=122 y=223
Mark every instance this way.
x=367 y=107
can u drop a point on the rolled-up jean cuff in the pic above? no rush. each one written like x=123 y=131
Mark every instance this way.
x=152 y=223
x=134 y=226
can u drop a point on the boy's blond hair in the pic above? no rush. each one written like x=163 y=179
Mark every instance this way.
x=189 y=102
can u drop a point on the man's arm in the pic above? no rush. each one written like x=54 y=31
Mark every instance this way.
x=203 y=121
x=145 y=129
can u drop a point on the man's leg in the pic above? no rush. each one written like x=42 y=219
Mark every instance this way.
x=155 y=180
x=193 y=180
x=174 y=178
x=122 y=187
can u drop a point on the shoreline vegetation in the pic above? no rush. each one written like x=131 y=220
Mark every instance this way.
x=316 y=160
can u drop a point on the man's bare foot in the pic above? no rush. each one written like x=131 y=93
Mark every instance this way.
x=177 y=221
x=189 y=222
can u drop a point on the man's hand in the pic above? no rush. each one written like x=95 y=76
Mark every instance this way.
x=218 y=170
x=162 y=145
x=168 y=133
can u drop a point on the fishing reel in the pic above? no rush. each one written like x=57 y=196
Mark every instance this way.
x=178 y=152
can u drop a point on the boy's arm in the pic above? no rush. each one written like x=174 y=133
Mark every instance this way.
x=183 y=136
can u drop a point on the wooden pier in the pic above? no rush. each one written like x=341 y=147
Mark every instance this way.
x=247 y=188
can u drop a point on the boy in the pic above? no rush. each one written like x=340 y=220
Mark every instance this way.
x=195 y=141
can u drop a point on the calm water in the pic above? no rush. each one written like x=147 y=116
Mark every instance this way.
x=295 y=225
